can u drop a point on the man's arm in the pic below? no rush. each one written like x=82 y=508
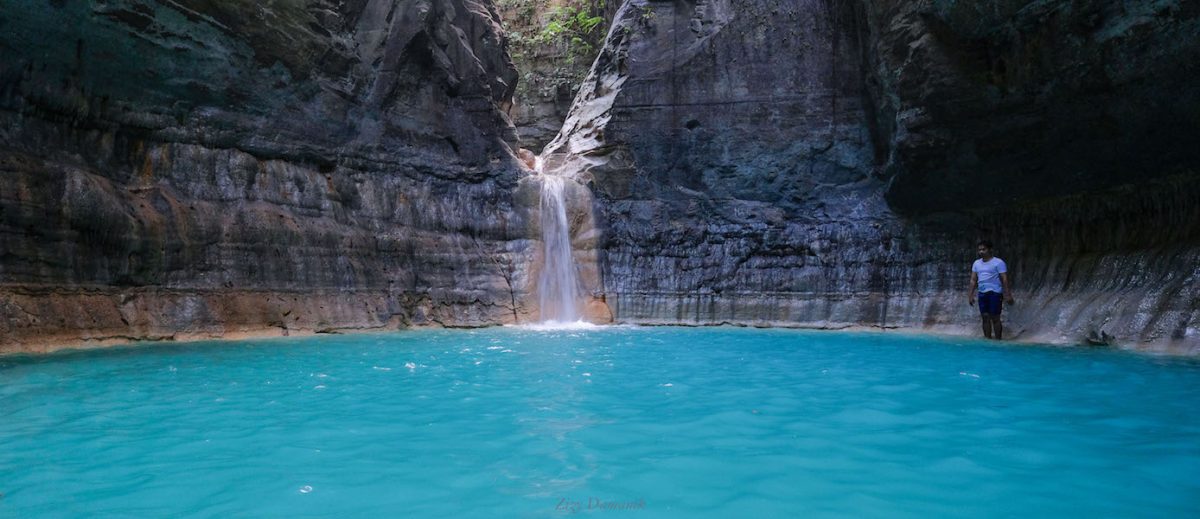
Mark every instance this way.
x=971 y=290
x=1007 y=290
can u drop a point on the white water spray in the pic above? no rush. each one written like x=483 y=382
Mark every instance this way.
x=558 y=284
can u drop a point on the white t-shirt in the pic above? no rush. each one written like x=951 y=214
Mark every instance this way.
x=989 y=274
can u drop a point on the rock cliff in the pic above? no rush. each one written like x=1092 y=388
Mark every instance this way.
x=831 y=163
x=198 y=168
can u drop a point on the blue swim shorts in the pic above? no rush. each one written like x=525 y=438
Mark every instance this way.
x=991 y=303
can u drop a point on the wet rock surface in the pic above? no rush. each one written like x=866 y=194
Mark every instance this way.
x=831 y=164
x=197 y=168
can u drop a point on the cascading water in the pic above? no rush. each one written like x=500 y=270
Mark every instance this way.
x=558 y=284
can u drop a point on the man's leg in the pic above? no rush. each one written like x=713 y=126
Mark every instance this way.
x=985 y=313
x=997 y=308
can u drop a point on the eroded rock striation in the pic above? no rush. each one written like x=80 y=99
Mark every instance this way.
x=200 y=168
x=831 y=164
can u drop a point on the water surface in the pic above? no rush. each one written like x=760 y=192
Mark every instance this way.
x=538 y=423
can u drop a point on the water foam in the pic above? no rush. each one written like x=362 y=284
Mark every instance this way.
x=546 y=326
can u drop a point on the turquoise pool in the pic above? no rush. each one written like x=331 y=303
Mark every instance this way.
x=615 y=422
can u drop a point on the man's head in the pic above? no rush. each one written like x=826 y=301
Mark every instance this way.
x=984 y=248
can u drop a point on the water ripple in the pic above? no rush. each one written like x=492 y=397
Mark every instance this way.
x=509 y=422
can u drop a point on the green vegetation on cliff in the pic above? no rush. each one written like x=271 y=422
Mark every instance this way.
x=552 y=43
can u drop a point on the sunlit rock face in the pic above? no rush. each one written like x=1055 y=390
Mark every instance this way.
x=728 y=146
x=831 y=164
x=197 y=167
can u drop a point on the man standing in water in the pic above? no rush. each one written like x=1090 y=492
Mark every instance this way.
x=989 y=277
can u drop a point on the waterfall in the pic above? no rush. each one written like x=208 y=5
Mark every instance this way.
x=558 y=284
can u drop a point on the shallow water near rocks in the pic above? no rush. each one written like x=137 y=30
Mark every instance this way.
x=666 y=422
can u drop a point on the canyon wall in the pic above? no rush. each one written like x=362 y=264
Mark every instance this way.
x=827 y=163
x=198 y=168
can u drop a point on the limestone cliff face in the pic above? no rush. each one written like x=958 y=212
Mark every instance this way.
x=831 y=164
x=195 y=167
